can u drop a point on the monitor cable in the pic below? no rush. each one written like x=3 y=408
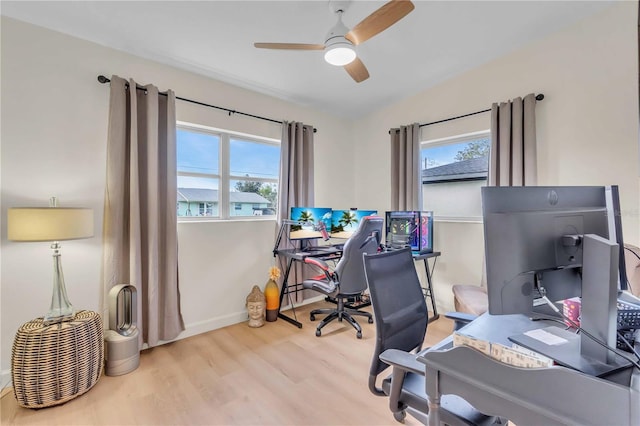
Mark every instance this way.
x=635 y=363
x=636 y=255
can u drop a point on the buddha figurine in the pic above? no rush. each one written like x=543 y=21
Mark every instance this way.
x=256 y=306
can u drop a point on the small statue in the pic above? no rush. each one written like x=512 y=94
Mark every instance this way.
x=256 y=305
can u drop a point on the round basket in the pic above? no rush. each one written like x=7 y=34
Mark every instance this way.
x=52 y=364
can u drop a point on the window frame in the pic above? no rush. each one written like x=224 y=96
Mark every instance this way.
x=224 y=173
x=450 y=140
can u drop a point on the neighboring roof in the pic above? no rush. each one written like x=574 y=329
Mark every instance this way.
x=475 y=168
x=211 y=195
x=197 y=194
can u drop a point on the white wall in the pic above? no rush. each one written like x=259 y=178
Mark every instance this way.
x=587 y=125
x=54 y=131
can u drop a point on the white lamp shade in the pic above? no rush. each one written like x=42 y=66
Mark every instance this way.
x=49 y=223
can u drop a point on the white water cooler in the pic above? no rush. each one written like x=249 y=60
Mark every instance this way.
x=121 y=340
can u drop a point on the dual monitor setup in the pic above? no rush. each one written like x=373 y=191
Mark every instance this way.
x=548 y=244
x=403 y=228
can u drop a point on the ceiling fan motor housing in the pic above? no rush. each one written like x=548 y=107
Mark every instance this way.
x=337 y=49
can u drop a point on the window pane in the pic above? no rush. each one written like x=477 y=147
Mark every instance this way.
x=197 y=152
x=442 y=155
x=254 y=159
x=252 y=198
x=197 y=196
x=452 y=175
x=215 y=165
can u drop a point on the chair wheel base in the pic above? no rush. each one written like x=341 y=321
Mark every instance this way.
x=318 y=333
x=359 y=334
x=370 y=320
x=312 y=317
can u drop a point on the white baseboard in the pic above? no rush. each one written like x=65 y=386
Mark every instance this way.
x=211 y=324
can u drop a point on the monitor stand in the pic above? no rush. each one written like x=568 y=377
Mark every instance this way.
x=598 y=317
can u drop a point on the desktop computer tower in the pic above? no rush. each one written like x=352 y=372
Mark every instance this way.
x=410 y=228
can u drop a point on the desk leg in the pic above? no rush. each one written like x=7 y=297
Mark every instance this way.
x=429 y=291
x=433 y=396
x=283 y=290
x=434 y=412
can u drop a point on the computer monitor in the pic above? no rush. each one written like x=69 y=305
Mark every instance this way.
x=345 y=222
x=525 y=244
x=311 y=223
x=614 y=215
x=536 y=239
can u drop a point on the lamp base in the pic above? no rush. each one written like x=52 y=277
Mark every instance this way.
x=54 y=317
x=60 y=310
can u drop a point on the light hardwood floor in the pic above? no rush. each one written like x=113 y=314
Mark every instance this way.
x=273 y=375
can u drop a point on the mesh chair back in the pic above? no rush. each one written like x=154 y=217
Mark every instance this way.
x=350 y=269
x=398 y=304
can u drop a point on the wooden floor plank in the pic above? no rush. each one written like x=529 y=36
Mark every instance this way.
x=273 y=375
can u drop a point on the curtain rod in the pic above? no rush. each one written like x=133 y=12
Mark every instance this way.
x=539 y=97
x=102 y=79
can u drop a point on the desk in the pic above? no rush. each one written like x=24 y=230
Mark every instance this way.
x=548 y=396
x=428 y=291
x=296 y=255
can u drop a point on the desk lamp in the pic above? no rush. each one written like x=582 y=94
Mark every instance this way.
x=54 y=224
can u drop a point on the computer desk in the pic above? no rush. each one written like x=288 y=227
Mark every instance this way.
x=334 y=253
x=428 y=290
x=544 y=396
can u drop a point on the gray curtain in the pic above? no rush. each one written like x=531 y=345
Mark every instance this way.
x=406 y=187
x=296 y=186
x=296 y=168
x=512 y=160
x=140 y=223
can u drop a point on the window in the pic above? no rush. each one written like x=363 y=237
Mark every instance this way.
x=224 y=174
x=453 y=171
x=206 y=209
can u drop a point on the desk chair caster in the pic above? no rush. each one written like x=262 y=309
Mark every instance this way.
x=340 y=316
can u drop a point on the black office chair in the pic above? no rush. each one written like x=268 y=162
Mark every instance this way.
x=401 y=324
x=347 y=279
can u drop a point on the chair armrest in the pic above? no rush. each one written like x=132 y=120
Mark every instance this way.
x=460 y=319
x=319 y=263
x=403 y=360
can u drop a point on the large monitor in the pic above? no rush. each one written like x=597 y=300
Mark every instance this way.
x=553 y=243
x=312 y=223
x=527 y=242
x=345 y=222
x=614 y=215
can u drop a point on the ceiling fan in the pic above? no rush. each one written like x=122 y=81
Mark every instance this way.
x=339 y=43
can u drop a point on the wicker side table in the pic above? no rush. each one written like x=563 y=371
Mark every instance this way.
x=52 y=364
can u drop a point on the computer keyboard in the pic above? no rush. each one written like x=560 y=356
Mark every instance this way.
x=622 y=305
x=628 y=319
x=628 y=322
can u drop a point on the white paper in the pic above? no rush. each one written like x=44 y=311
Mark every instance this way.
x=545 y=337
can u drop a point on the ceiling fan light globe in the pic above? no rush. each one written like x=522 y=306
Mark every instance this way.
x=339 y=54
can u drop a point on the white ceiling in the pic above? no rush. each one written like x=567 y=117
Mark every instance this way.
x=436 y=41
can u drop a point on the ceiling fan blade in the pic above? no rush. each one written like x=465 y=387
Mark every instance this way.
x=357 y=70
x=379 y=21
x=289 y=46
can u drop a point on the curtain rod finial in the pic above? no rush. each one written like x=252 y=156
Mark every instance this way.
x=102 y=79
x=539 y=97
